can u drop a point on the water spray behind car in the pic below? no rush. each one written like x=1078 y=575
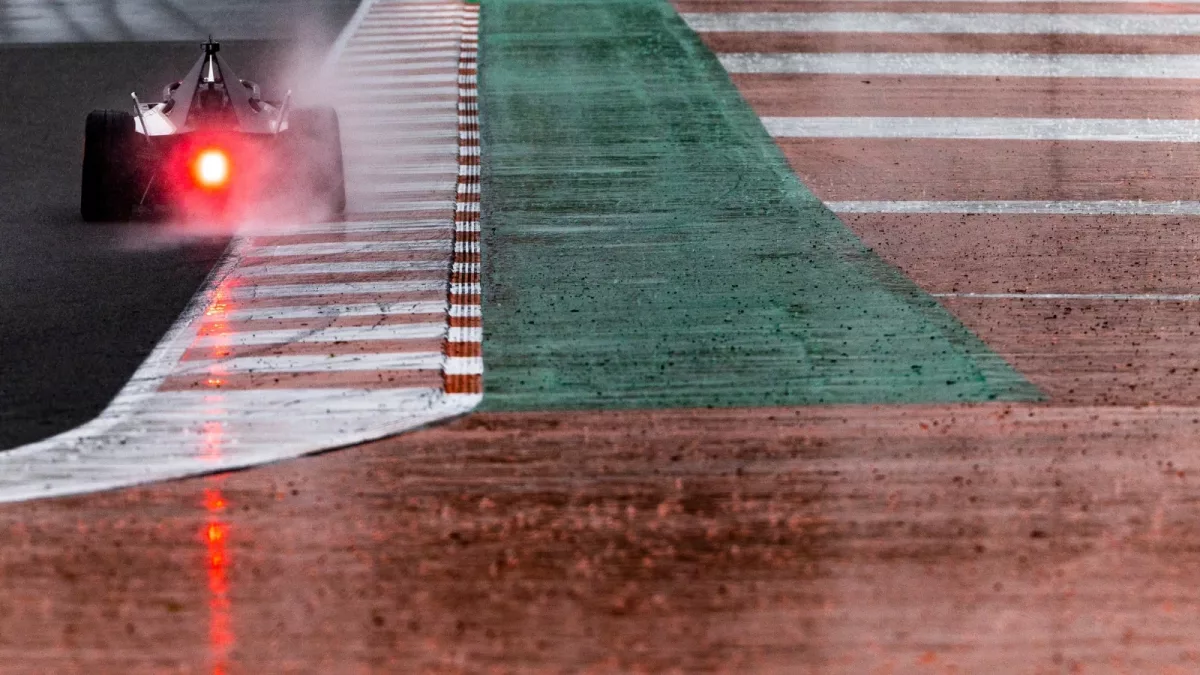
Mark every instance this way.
x=213 y=149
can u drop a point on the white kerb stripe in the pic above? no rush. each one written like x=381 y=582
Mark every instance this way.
x=986 y=128
x=333 y=248
x=386 y=83
x=310 y=364
x=342 y=268
x=348 y=334
x=301 y=290
x=984 y=65
x=1104 y=207
x=330 y=312
x=963 y=23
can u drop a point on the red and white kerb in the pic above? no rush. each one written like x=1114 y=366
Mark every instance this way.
x=464 y=342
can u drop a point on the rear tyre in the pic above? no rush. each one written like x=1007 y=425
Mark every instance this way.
x=317 y=133
x=108 y=191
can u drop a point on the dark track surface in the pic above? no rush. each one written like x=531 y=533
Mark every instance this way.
x=81 y=305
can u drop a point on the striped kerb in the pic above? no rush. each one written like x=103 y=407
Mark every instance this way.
x=464 y=342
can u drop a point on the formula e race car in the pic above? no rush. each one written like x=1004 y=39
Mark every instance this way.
x=212 y=148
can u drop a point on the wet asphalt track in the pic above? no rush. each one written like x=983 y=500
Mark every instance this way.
x=82 y=305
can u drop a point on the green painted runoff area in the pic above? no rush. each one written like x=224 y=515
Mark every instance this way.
x=647 y=245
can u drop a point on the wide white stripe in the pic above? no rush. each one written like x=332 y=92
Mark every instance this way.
x=382 y=202
x=386 y=83
x=300 y=290
x=349 y=228
x=300 y=311
x=931 y=22
x=359 y=45
x=348 y=334
x=424 y=64
x=987 y=65
x=376 y=25
x=986 y=128
x=409 y=149
x=420 y=34
x=1107 y=207
x=376 y=172
x=312 y=364
x=422 y=56
x=340 y=268
x=392 y=97
x=333 y=248
x=373 y=121
x=1146 y=297
x=390 y=113
x=379 y=53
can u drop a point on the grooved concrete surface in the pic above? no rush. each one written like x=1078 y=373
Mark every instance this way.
x=646 y=244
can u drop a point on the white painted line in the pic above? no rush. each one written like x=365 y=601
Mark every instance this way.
x=959 y=23
x=407 y=22
x=339 y=268
x=346 y=228
x=379 y=203
x=362 y=117
x=382 y=310
x=360 y=287
x=347 y=334
x=1145 y=297
x=402 y=174
x=352 y=97
x=313 y=364
x=416 y=41
x=399 y=68
x=386 y=83
x=337 y=247
x=410 y=149
x=986 y=128
x=1106 y=207
x=391 y=60
x=366 y=55
x=984 y=65
x=425 y=109
x=424 y=35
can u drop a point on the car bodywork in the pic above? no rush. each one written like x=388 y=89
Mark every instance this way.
x=212 y=147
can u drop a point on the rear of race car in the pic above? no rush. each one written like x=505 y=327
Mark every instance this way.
x=212 y=148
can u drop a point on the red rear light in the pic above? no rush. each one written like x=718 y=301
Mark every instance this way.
x=211 y=168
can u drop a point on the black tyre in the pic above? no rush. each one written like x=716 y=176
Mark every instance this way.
x=109 y=154
x=317 y=135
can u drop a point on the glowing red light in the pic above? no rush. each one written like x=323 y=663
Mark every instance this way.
x=211 y=168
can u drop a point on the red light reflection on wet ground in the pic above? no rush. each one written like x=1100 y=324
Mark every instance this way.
x=215 y=534
x=217 y=334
